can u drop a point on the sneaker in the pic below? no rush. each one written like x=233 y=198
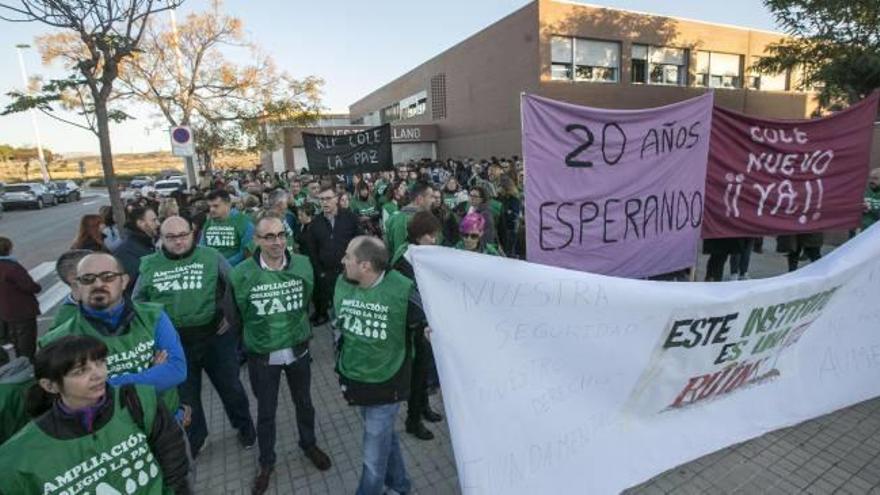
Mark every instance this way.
x=261 y=482
x=318 y=458
x=247 y=441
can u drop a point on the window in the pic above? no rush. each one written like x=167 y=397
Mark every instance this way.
x=414 y=105
x=584 y=60
x=596 y=60
x=560 y=67
x=719 y=70
x=767 y=82
x=659 y=65
x=390 y=113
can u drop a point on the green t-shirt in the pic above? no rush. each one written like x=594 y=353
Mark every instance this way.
x=227 y=236
x=186 y=288
x=274 y=305
x=115 y=459
x=127 y=352
x=373 y=326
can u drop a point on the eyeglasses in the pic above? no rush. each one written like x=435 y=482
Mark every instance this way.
x=106 y=277
x=176 y=237
x=472 y=236
x=278 y=236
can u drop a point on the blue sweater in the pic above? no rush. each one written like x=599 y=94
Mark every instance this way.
x=163 y=376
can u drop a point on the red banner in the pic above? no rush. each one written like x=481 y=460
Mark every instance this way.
x=768 y=177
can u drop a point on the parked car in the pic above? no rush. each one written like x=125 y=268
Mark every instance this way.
x=167 y=187
x=140 y=181
x=65 y=190
x=31 y=194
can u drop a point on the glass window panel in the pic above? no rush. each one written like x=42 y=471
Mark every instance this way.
x=665 y=55
x=561 y=49
x=702 y=62
x=725 y=64
x=597 y=53
x=639 y=71
x=560 y=71
x=640 y=52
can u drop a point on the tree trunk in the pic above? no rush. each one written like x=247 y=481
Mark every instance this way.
x=107 y=162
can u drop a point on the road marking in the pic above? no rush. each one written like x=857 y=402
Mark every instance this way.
x=41 y=270
x=53 y=296
x=87 y=203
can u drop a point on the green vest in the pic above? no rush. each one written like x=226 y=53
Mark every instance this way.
x=401 y=250
x=113 y=460
x=13 y=415
x=450 y=200
x=373 y=325
x=488 y=248
x=363 y=208
x=227 y=235
x=65 y=312
x=395 y=231
x=872 y=197
x=389 y=209
x=186 y=288
x=274 y=305
x=128 y=352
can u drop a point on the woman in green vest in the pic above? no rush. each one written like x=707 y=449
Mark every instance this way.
x=88 y=437
x=472 y=230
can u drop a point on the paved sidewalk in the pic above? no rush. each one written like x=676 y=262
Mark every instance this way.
x=836 y=453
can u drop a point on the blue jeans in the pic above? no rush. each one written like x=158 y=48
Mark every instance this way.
x=383 y=460
x=215 y=355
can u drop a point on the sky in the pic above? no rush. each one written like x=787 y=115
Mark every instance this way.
x=355 y=46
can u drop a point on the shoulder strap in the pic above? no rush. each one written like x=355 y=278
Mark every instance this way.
x=130 y=401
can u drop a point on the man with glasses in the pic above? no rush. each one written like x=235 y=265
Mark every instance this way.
x=226 y=230
x=143 y=345
x=192 y=283
x=272 y=291
x=331 y=232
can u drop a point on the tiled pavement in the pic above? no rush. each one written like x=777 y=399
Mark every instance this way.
x=836 y=453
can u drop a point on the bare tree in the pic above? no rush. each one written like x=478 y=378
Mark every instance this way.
x=109 y=31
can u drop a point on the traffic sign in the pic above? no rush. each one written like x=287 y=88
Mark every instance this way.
x=182 y=143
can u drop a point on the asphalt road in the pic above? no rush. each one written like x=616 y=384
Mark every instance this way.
x=42 y=235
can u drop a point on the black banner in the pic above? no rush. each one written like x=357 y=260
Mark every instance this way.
x=365 y=151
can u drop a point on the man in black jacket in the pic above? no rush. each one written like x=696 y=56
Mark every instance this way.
x=331 y=231
x=139 y=234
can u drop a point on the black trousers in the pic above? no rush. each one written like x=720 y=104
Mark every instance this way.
x=794 y=256
x=418 y=385
x=325 y=284
x=265 y=380
x=22 y=335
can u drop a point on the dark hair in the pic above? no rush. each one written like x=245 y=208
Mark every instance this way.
x=55 y=361
x=422 y=223
x=220 y=194
x=328 y=187
x=66 y=264
x=482 y=190
x=5 y=246
x=137 y=213
x=418 y=189
x=305 y=209
x=373 y=251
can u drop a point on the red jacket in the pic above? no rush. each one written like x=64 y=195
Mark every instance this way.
x=17 y=289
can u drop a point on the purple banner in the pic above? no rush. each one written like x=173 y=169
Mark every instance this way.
x=615 y=192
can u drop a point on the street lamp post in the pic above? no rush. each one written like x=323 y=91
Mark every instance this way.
x=33 y=113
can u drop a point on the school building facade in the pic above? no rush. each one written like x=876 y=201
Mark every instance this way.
x=582 y=54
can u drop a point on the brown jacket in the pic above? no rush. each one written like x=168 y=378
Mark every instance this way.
x=17 y=289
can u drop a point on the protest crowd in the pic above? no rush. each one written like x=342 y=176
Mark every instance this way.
x=244 y=269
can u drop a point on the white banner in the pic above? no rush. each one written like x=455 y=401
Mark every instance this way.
x=557 y=381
